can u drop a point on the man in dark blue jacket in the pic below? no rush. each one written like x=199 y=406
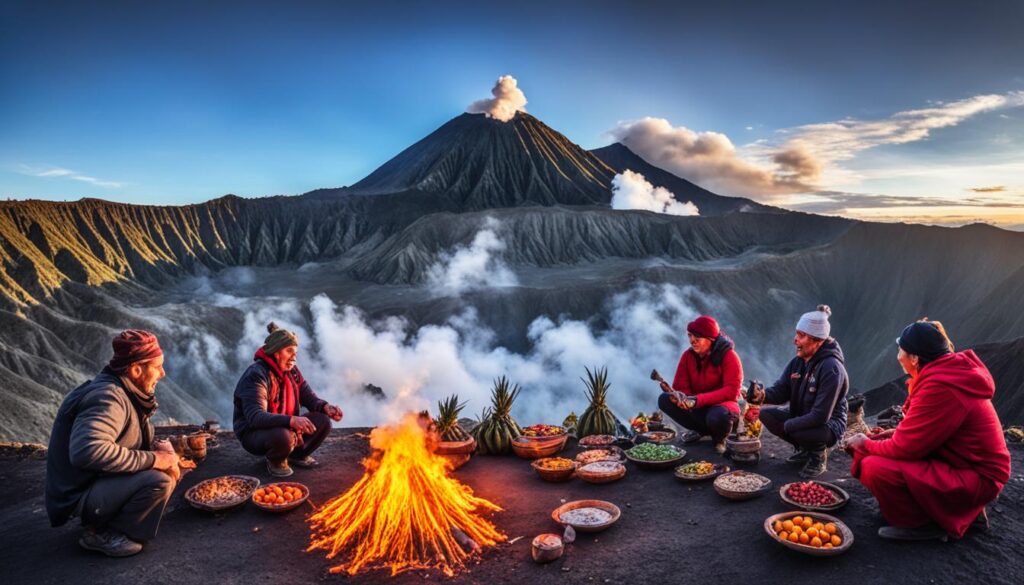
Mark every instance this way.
x=814 y=384
x=267 y=401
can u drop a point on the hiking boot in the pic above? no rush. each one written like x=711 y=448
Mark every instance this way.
x=720 y=447
x=799 y=456
x=110 y=543
x=817 y=463
x=690 y=437
x=306 y=462
x=279 y=469
x=926 y=533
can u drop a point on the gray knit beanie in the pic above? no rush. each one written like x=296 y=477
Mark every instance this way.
x=278 y=339
x=816 y=323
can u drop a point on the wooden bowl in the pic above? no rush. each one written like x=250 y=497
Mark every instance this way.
x=667 y=436
x=665 y=464
x=615 y=454
x=747 y=446
x=725 y=492
x=844 y=532
x=554 y=475
x=457 y=461
x=286 y=506
x=244 y=486
x=841 y=497
x=537 y=448
x=596 y=441
x=609 y=507
x=719 y=469
x=617 y=473
x=467 y=447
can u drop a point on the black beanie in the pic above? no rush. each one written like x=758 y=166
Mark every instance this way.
x=924 y=340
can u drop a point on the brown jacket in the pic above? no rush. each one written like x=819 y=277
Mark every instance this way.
x=97 y=432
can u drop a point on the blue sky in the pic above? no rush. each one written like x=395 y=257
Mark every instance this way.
x=179 y=102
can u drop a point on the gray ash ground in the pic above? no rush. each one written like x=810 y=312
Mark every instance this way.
x=670 y=532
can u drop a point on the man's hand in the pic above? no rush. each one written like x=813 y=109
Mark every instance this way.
x=666 y=388
x=165 y=461
x=163 y=446
x=856 y=442
x=334 y=412
x=687 y=402
x=301 y=424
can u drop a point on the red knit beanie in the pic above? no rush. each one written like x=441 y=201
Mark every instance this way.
x=132 y=346
x=704 y=326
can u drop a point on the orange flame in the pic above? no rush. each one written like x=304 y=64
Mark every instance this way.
x=401 y=514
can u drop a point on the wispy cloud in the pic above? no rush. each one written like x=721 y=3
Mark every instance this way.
x=58 y=172
x=839 y=202
x=802 y=159
x=995 y=189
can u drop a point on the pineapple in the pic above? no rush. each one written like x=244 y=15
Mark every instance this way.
x=448 y=419
x=597 y=419
x=495 y=432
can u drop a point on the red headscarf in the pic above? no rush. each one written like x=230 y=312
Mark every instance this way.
x=133 y=346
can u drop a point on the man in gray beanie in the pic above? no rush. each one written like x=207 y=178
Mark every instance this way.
x=815 y=385
x=267 y=401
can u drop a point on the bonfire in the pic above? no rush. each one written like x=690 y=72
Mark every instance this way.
x=406 y=512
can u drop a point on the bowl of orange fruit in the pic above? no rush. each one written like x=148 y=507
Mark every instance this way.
x=816 y=534
x=281 y=496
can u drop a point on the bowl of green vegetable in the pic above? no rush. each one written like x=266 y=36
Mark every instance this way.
x=654 y=456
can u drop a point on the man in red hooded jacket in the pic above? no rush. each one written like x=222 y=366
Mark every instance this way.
x=947 y=459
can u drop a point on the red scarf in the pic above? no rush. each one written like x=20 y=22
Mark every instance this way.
x=284 y=402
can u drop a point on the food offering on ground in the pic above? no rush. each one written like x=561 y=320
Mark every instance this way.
x=814 y=495
x=741 y=485
x=555 y=463
x=597 y=419
x=593 y=455
x=596 y=441
x=697 y=468
x=658 y=436
x=601 y=472
x=222 y=492
x=639 y=423
x=587 y=515
x=655 y=422
x=653 y=452
x=751 y=430
x=280 y=496
x=547 y=548
x=810 y=533
x=540 y=431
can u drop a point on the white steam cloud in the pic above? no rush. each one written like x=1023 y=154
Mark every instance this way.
x=478 y=265
x=631 y=190
x=508 y=99
x=803 y=159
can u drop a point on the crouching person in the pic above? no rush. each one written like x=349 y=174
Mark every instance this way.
x=815 y=385
x=267 y=401
x=947 y=458
x=102 y=464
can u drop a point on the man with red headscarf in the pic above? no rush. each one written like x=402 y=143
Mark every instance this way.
x=267 y=400
x=102 y=463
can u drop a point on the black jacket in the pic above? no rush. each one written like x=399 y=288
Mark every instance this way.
x=815 y=389
x=254 y=390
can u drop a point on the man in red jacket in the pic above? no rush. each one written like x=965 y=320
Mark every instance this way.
x=705 y=391
x=947 y=458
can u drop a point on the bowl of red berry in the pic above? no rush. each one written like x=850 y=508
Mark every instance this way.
x=814 y=495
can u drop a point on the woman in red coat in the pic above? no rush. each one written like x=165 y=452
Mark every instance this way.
x=947 y=458
x=705 y=391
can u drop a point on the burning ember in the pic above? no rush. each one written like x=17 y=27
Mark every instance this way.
x=405 y=512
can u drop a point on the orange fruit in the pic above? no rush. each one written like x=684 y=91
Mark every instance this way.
x=804 y=539
x=788 y=525
x=831 y=528
x=798 y=529
x=827 y=545
x=816 y=542
x=794 y=537
x=812 y=532
x=819 y=526
x=836 y=541
x=280 y=500
x=777 y=526
x=784 y=535
x=807 y=523
x=798 y=519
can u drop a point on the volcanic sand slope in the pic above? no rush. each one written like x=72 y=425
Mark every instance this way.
x=669 y=532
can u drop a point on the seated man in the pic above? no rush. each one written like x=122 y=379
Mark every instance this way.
x=102 y=463
x=267 y=400
x=814 y=384
x=947 y=458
